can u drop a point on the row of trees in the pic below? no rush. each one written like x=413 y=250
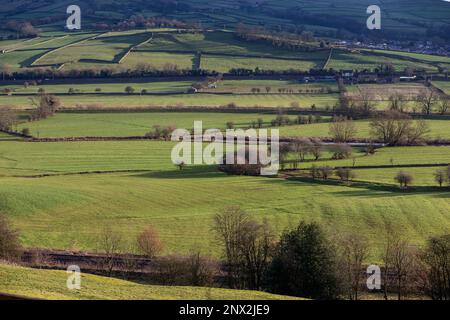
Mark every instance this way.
x=390 y=127
x=309 y=262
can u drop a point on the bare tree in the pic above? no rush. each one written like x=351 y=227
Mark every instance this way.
x=397 y=102
x=404 y=179
x=228 y=227
x=256 y=245
x=440 y=176
x=8 y=117
x=9 y=241
x=345 y=174
x=443 y=104
x=342 y=129
x=109 y=243
x=399 y=259
x=426 y=101
x=436 y=257
x=316 y=148
x=396 y=128
x=5 y=70
x=366 y=102
x=149 y=242
x=353 y=251
x=201 y=269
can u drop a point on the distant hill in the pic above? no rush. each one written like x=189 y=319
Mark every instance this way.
x=402 y=19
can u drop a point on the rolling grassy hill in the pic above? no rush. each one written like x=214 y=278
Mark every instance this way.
x=68 y=211
x=48 y=284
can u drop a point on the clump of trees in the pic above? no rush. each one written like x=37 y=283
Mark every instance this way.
x=298 y=151
x=23 y=29
x=395 y=128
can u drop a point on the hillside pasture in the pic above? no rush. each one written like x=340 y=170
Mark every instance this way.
x=186 y=100
x=67 y=211
x=50 y=284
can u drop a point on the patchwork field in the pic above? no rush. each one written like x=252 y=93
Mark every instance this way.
x=134 y=123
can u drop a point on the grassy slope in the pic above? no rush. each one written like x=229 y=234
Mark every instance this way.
x=49 y=284
x=212 y=100
x=439 y=129
x=129 y=124
x=69 y=211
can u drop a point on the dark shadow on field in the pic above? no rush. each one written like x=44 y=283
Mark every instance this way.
x=193 y=172
x=373 y=190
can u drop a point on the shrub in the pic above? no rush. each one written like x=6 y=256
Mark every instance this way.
x=404 y=179
x=325 y=172
x=26 y=132
x=345 y=174
x=149 y=242
x=341 y=151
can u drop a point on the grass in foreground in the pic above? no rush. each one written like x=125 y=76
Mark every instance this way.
x=50 y=284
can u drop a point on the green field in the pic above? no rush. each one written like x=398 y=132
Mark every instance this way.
x=50 y=284
x=90 y=88
x=65 y=211
x=423 y=176
x=357 y=61
x=393 y=156
x=134 y=123
x=194 y=100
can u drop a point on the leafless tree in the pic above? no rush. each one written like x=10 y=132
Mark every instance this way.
x=345 y=174
x=404 y=179
x=9 y=241
x=396 y=128
x=353 y=251
x=397 y=102
x=5 y=70
x=256 y=245
x=342 y=129
x=426 y=100
x=228 y=227
x=8 y=117
x=149 y=242
x=441 y=176
x=201 y=269
x=109 y=242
